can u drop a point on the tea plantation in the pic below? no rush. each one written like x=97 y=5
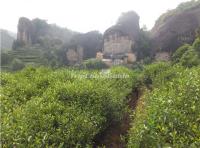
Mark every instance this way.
x=42 y=107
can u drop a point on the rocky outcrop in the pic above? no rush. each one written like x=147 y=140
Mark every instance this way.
x=83 y=46
x=24 y=31
x=117 y=42
x=162 y=56
x=176 y=27
x=120 y=39
x=38 y=31
x=75 y=55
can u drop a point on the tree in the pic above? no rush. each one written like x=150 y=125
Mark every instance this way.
x=39 y=28
x=196 y=45
x=91 y=42
x=17 y=65
x=17 y=44
x=190 y=58
x=5 y=58
x=129 y=23
x=143 y=46
x=179 y=53
x=198 y=33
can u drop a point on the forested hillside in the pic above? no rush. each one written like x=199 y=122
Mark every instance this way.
x=7 y=39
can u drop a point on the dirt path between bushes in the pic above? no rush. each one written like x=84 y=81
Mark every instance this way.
x=112 y=137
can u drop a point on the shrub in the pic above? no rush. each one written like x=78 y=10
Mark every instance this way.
x=42 y=107
x=94 y=64
x=190 y=58
x=179 y=53
x=152 y=71
x=169 y=115
x=17 y=65
x=196 y=45
x=5 y=58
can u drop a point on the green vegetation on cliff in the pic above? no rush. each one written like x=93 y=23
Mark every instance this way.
x=180 y=8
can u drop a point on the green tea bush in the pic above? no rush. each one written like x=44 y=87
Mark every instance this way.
x=42 y=107
x=168 y=116
x=196 y=45
x=150 y=72
x=93 y=64
x=179 y=53
x=190 y=58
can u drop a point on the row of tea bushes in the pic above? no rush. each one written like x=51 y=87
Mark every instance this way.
x=42 y=107
x=169 y=115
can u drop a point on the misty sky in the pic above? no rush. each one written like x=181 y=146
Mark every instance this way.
x=82 y=15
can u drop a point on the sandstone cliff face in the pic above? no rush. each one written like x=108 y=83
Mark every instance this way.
x=75 y=55
x=116 y=44
x=37 y=30
x=176 y=30
x=24 y=30
x=120 y=38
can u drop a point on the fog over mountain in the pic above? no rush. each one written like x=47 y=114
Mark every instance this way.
x=82 y=16
x=7 y=38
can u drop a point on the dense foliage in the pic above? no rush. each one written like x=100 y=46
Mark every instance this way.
x=41 y=107
x=143 y=47
x=93 y=64
x=168 y=116
x=168 y=112
x=188 y=55
x=180 y=8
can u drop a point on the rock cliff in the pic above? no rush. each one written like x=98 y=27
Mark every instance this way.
x=24 y=31
x=120 y=38
x=37 y=31
x=176 y=27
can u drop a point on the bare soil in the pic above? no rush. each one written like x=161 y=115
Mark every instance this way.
x=112 y=136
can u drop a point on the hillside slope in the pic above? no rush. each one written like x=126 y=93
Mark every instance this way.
x=176 y=27
x=7 y=39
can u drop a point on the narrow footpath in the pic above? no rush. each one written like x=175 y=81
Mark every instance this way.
x=113 y=135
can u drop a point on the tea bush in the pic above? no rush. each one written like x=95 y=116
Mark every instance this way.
x=42 y=107
x=179 y=53
x=168 y=116
x=151 y=71
x=190 y=58
x=93 y=64
x=188 y=55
